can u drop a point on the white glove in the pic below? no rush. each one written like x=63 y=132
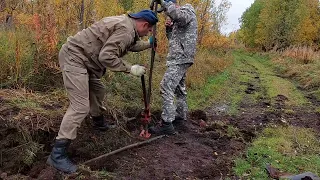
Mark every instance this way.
x=137 y=70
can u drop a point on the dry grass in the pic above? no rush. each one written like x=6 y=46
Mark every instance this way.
x=303 y=54
x=207 y=64
x=302 y=64
x=123 y=92
x=32 y=111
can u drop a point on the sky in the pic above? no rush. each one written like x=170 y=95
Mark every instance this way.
x=234 y=13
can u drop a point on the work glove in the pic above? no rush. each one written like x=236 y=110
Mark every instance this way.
x=153 y=41
x=138 y=70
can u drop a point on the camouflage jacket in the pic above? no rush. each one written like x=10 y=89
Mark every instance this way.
x=103 y=44
x=182 y=35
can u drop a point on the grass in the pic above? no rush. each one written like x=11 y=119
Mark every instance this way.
x=274 y=84
x=211 y=80
x=212 y=91
x=301 y=54
x=49 y=105
x=300 y=63
x=291 y=149
x=16 y=51
x=316 y=94
x=124 y=92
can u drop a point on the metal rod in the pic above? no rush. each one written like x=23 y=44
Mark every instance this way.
x=153 y=52
x=144 y=92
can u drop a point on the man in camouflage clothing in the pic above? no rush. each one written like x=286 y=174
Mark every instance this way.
x=181 y=28
x=84 y=59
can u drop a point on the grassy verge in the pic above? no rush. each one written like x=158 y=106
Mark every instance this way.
x=291 y=149
x=270 y=81
x=301 y=64
x=229 y=86
x=211 y=92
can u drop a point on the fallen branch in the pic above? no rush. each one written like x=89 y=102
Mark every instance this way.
x=123 y=149
x=129 y=134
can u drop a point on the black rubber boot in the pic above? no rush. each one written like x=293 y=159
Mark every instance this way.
x=99 y=123
x=163 y=128
x=58 y=157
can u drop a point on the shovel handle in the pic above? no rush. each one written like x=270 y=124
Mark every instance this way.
x=144 y=90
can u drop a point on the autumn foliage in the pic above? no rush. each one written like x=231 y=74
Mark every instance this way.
x=278 y=24
x=32 y=32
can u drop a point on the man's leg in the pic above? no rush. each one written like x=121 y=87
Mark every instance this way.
x=169 y=83
x=174 y=78
x=181 y=100
x=97 y=92
x=76 y=81
x=182 y=106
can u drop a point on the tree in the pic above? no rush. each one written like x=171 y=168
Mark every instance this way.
x=249 y=21
x=219 y=14
x=277 y=24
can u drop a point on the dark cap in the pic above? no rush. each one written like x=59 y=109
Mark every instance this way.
x=147 y=15
x=174 y=1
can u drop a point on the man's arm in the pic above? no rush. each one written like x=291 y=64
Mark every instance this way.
x=112 y=49
x=182 y=16
x=168 y=32
x=140 y=46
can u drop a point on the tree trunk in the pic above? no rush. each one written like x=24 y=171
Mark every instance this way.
x=203 y=21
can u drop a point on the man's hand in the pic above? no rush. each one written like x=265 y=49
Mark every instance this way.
x=137 y=70
x=153 y=40
x=168 y=22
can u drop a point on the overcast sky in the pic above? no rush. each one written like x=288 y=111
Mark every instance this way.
x=234 y=13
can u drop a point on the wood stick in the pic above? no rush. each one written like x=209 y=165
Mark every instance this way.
x=123 y=149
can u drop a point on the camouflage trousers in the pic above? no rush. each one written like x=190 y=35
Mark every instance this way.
x=173 y=87
x=85 y=92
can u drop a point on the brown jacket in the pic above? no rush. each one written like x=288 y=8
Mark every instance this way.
x=103 y=44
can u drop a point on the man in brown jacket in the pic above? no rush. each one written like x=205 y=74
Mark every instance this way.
x=84 y=59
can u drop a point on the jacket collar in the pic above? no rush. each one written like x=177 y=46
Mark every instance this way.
x=136 y=38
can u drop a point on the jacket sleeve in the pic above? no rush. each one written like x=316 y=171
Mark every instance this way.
x=140 y=46
x=109 y=55
x=168 y=32
x=182 y=16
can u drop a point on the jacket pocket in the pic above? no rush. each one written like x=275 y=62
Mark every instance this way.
x=75 y=69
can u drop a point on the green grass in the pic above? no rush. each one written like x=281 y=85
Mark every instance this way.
x=17 y=55
x=202 y=97
x=271 y=82
x=316 y=94
x=25 y=103
x=291 y=149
